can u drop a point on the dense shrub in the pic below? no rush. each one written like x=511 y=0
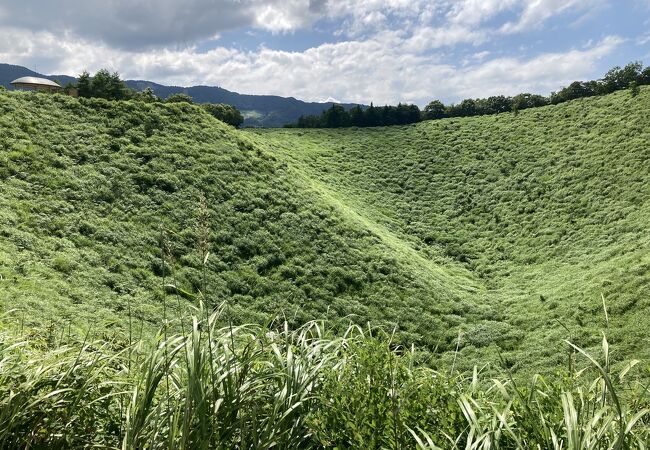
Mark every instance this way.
x=338 y=117
x=533 y=205
x=110 y=86
x=90 y=179
x=104 y=85
x=226 y=113
x=179 y=98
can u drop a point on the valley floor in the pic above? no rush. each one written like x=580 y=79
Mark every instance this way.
x=540 y=219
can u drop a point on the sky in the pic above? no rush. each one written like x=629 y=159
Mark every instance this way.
x=358 y=51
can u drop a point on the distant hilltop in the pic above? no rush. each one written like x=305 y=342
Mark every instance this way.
x=258 y=110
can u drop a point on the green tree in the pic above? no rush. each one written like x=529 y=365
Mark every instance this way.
x=465 y=108
x=117 y=88
x=147 y=96
x=526 y=100
x=372 y=116
x=404 y=114
x=644 y=77
x=101 y=84
x=577 y=89
x=634 y=89
x=496 y=104
x=84 y=87
x=336 y=117
x=620 y=78
x=434 y=110
x=357 y=116
x=108 y=85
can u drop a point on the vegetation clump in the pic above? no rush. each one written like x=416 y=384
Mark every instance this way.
x=546 y=211
x=338 y=117
x=225 y=113
x=91 y=188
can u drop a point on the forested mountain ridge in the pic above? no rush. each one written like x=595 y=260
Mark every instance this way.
x=258 y=110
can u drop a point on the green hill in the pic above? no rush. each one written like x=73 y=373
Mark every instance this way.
x=547 y=211
x=92 y=190
x=506 y=229
x=135 y=237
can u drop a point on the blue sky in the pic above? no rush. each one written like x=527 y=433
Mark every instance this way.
x=381 y=51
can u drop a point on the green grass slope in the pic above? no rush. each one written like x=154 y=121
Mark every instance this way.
x=508 y=230
x=547 y=211
x=101 y=208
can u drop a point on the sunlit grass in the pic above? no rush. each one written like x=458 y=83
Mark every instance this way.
x=539 y=213
x=166 y=272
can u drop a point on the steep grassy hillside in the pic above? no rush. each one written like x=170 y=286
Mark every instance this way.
x=92 y=190
x=505 y=229
x=497 y=236
x=548 y=209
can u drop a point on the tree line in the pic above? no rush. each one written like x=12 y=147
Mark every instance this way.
x=110 y=86
x=618 y=78
x=338 y=117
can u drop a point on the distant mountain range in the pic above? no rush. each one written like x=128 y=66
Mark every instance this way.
x=258 y=110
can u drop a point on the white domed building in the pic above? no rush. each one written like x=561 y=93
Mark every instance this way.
x=36 y=84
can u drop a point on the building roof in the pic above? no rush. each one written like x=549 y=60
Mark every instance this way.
x=35 y=81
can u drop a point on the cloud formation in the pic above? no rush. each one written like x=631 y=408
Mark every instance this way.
x=138 y=24
x=536 y=12
x=386 y=50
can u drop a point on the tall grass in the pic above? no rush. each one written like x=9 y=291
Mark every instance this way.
x=255 y=387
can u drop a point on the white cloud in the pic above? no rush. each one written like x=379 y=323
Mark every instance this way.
x=541 y=74
x=144 y=24
x=385 y=68
x=140 y=24
x=480 y=56
x=137 y=24
x=644 y=39
x=474 y=12
x=390 y=50
x=536 y=12
x=426 y=38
